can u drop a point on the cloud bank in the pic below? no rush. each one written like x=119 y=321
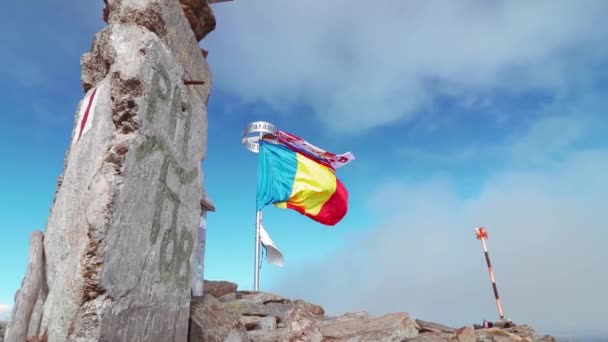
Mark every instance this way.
x=5 y=311
x=547 y=241
x=358 y=65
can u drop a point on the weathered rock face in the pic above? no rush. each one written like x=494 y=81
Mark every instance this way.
x=264 y=317
x=29 y=298
x=198 y=12
x=124 y=220
x=2 y=326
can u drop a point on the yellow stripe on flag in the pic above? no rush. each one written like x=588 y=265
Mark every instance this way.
x=313 y=185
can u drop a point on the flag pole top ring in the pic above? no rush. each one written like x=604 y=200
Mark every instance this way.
x=254 y=132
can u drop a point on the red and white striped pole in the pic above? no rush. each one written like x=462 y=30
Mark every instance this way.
x=483 y=235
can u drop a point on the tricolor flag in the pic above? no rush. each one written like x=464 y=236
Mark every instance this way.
x=273 y=254
x=294 y=180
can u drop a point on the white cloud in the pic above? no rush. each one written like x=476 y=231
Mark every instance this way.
x=364 y=64
x=553 y=131
x=5 y=311
x=547 y=241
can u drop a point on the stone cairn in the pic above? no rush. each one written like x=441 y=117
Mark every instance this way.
x=114 y=263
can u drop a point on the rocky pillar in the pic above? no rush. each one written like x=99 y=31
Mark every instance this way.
x=122 y=227
x=27 y=296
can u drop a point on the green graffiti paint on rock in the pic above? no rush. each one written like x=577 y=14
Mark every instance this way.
x=182 y=249
x=153 y=144
x=181 y=242
x=164 y=193
x=159 y=92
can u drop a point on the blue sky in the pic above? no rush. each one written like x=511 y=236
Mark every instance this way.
x=460 y=114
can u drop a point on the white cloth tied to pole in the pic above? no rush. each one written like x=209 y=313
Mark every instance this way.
x=273 y=254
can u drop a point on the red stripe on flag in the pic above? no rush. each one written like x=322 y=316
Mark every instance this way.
x=85 y=117
x=336 y=206
x=333 y=211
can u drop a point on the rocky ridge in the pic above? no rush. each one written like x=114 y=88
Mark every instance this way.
x=226 y=314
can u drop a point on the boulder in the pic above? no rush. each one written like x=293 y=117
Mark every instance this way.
x=426 y=326
x=209 y=322
x=391 y=327
x=219 y=288
x=266 y=304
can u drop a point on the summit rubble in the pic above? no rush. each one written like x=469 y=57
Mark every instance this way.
x=226 y=314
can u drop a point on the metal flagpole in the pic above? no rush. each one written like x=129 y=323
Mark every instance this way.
x=483 y=235
x=256 y=274
x=252 y=143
